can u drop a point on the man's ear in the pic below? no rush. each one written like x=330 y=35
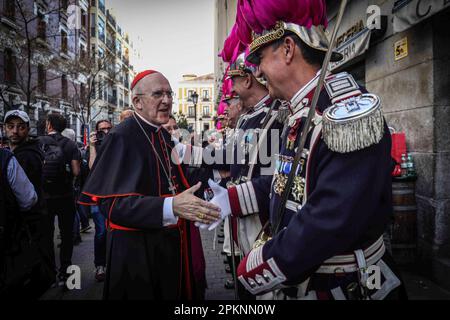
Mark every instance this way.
x=248 y=81
x=289 y=48
x=137 y=103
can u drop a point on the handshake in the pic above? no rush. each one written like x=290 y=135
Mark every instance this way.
x=221 y=200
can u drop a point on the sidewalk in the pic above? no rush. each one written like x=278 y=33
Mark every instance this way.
x=417 y=286
x=215 y=268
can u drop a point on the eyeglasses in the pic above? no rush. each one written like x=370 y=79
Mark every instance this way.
x=158 y=94
x=20 y=126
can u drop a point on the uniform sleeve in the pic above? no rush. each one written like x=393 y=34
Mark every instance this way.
x=21 y=186
x=137 y=212
x=251 y=197
x=343 y=204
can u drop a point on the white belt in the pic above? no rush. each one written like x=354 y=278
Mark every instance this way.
x=348 y=263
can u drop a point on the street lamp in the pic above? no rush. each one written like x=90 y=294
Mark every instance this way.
x=194 y=98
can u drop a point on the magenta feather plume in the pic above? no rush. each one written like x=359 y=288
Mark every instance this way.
x=244 y=31
x=229 y=46
x=264 y=14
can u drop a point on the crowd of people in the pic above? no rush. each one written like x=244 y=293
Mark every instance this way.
x=308 y=224
x=42 y=178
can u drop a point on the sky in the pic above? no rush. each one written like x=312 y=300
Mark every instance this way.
x=175 y=37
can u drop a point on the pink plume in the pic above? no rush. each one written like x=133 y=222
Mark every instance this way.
x=229 y=46
x=302 y=12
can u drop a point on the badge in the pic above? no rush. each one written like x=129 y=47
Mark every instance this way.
x=298 y=189
x=280 y=183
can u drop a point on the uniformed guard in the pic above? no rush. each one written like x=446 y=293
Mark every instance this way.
x=327 y=226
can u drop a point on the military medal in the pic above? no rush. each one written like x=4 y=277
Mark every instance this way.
x=280 y=183
x=298 y=189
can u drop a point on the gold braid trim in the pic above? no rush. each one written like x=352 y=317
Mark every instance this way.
x=236 y=73
x=276 y=33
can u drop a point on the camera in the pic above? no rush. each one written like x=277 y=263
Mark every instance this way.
x=100 y=135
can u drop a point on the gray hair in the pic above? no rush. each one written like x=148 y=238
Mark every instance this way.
x=69 y=133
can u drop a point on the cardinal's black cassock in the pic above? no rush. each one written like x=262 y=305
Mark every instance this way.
x=150 y=253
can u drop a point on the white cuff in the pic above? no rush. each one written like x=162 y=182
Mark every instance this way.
x=168 y=216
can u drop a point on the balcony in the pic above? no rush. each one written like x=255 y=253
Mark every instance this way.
x=111 y=20
x=206 y=99
x=110 y=45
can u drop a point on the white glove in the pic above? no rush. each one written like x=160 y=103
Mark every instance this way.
x=221 y=200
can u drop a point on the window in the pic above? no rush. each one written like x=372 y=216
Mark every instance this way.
x=205 y=126
x=42 y=79
x=101 y=29
x=82 y=92
x=189 y=96
x=101 y=5
x=41 y=26
x=206 y=111
x=205 y=95
x=64 y=4
x=101 y=52
x=63 y=41
x=10 y=66
x=83 y=19
x=82 y=53
x=118 y=47
x=93 y=24
x=64 y=87
x=9 y=9
x=191 y=111
x=93 y=3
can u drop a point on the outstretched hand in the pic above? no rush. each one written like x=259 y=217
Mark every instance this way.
x=187 y=206
x=221 y=200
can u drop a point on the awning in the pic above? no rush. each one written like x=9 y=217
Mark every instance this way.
x=353 y=47
x=410 y=12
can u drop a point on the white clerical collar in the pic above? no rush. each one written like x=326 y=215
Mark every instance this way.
x=261 y=103
x=148 y=122
x=303 y=92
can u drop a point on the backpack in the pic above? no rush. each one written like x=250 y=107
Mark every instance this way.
x=55 y=171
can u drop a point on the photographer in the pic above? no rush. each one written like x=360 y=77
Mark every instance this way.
x=102 y=128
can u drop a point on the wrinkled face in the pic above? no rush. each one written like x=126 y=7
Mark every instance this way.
x=153 y=98
x=239 y=86
x=234 y=111
x=16 y=130
x=271 y=68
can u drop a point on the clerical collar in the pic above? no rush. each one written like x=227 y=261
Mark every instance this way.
x=297 y=99
x=261 y=103
x=148 y=122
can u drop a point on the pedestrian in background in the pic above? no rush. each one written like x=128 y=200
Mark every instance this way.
x=62 y=165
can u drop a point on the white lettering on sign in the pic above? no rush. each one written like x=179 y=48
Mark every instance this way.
x=374 y=18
